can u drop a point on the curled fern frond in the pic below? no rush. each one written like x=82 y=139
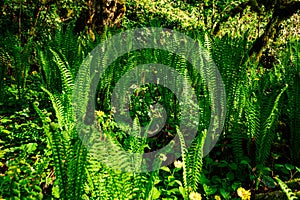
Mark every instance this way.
x=289 y=193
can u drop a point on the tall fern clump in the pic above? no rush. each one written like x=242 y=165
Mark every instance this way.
x=291 y=62
x=230 y=56
x=211 y=113
x=68 y=153
x=15 y=61
x=253 y=99
x=262 y=113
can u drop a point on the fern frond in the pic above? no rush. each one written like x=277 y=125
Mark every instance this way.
x=194 y=161
x=65 y=73
x=289 y=193
x=184 y=160
x=265 y=139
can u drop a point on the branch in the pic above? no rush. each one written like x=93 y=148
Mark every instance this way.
x=238 y=9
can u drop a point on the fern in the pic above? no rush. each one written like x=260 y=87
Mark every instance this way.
x=229 y=56
x=108 y=181
x=4 y=62
x=194 y=161
x=184 y=160
x=267 y=133
x=262 y=111
x=64 y=51
x=15 y=60
x=289 y=193
x=292 y=60
x=69 y=154
x=65 y=73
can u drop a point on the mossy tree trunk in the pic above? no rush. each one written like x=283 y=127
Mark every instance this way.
x=280 y=10
x=100 y=13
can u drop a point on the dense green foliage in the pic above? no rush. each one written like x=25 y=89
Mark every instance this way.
x=43 y=45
